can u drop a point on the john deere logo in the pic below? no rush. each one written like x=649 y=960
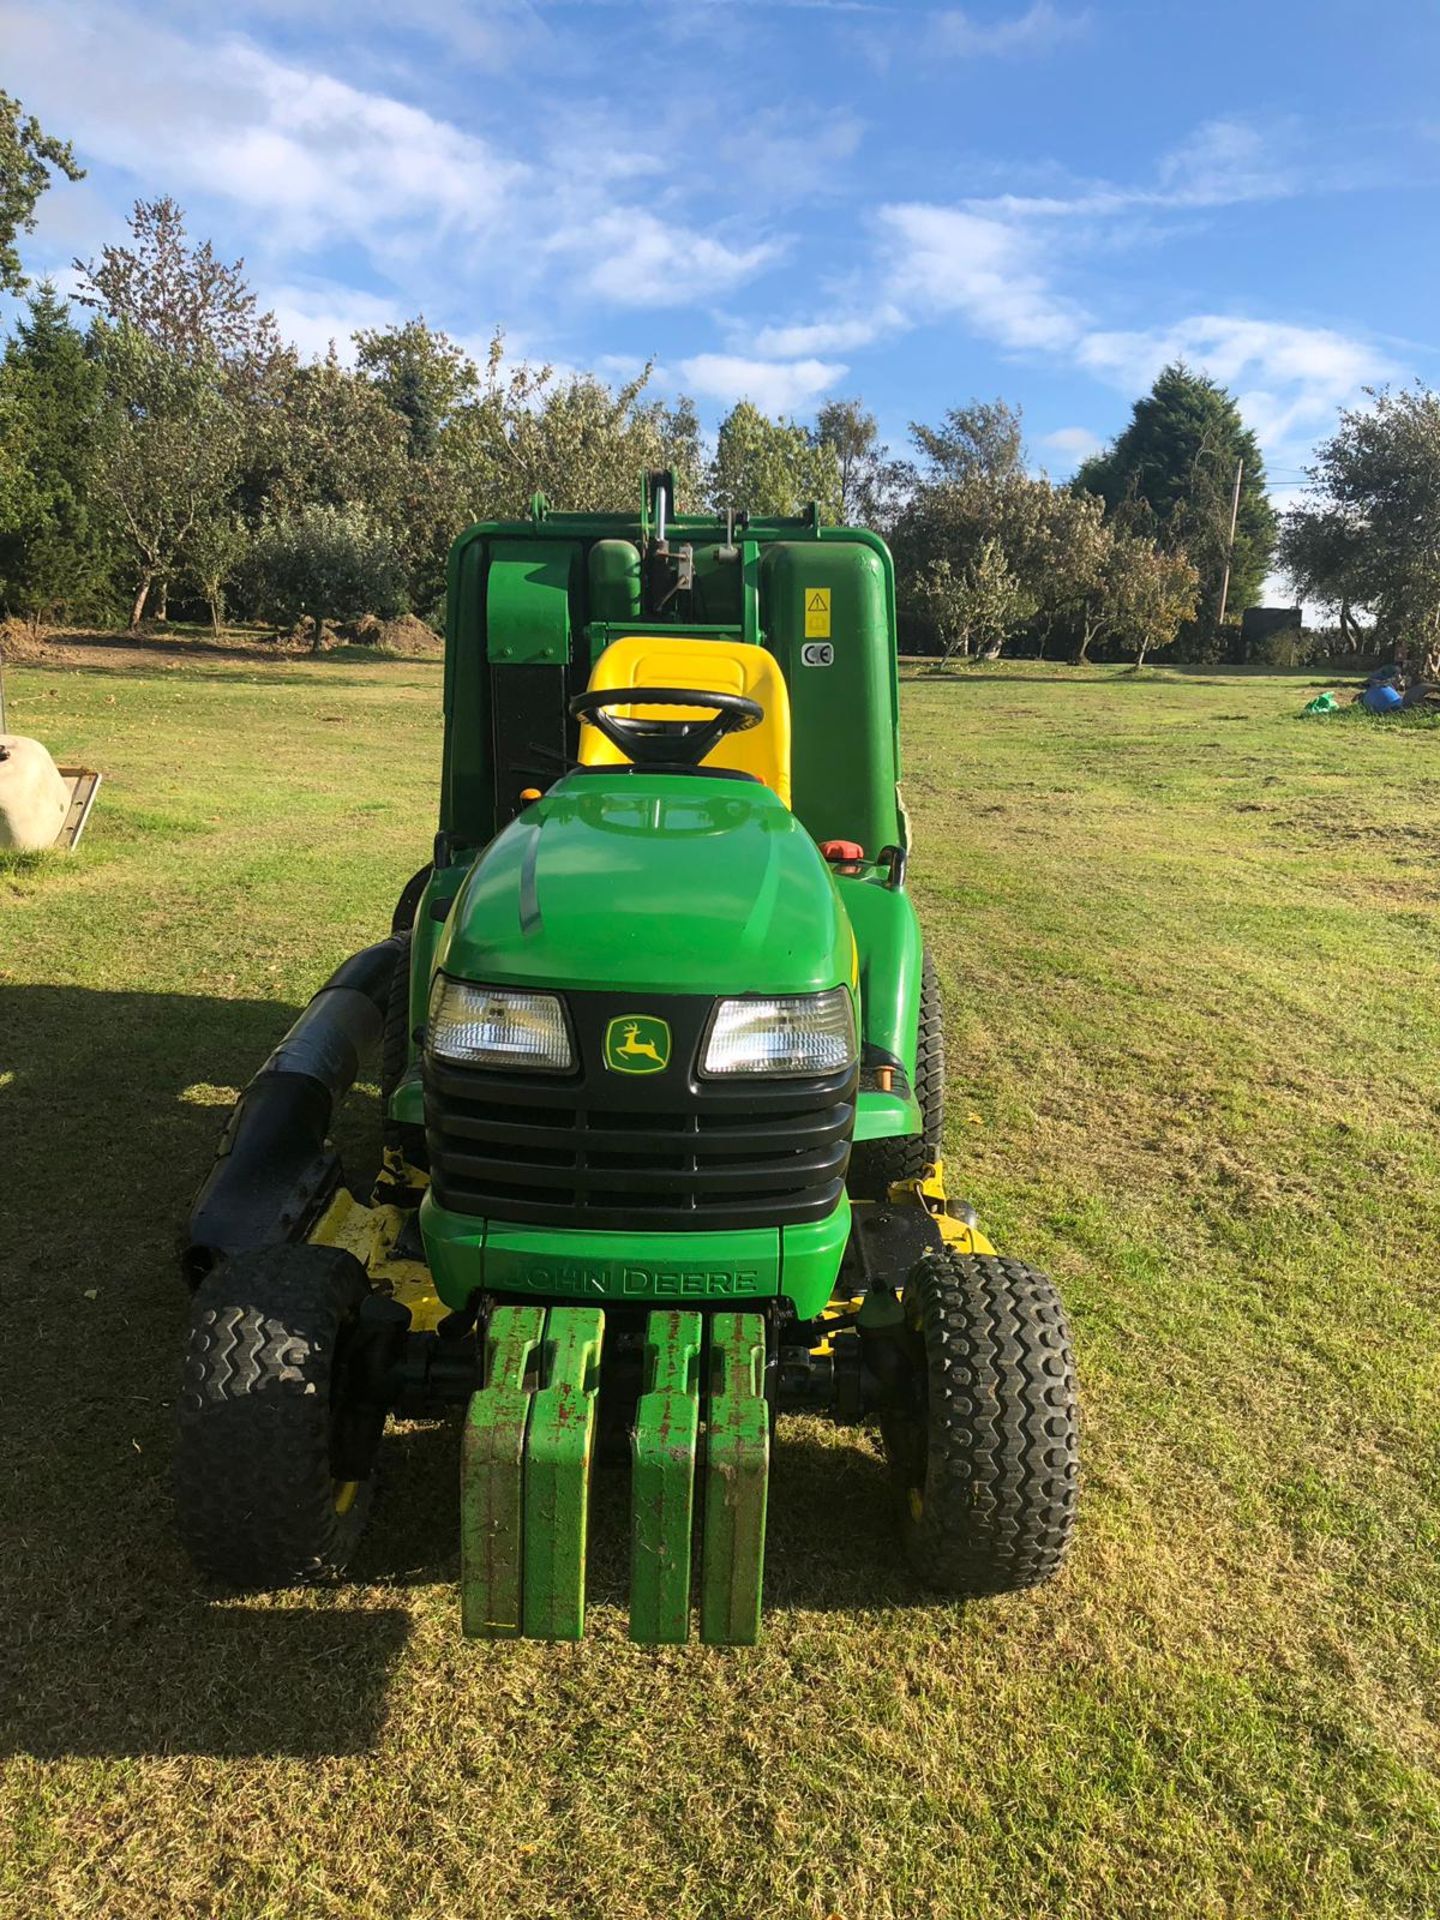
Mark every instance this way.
x=637 y=1043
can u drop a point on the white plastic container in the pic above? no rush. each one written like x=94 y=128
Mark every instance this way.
x=34 y=798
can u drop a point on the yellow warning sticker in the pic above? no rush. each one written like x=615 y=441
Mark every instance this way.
x=817 y=613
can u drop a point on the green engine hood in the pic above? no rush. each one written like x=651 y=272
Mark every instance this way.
x=655 y=882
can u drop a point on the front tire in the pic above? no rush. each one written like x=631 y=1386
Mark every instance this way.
x=985 y=1455
x=258 y=1501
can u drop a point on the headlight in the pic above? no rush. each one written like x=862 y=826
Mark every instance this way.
x=802 y=1033
x=493 y=1027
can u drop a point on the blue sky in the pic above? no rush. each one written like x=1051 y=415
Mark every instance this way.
x=788 y=200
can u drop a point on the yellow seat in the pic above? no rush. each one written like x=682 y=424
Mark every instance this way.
x=714 y=666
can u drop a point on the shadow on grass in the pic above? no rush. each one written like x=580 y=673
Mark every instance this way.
x=1114 y=676
x=258 y=648
x=984 y=677
x=1105 y=674
x=110 y=1106
x=832 y=1544
x=1098 y=676
x=109 y=1118
x=831 y=1541
x=183 y=645
x=329 y=674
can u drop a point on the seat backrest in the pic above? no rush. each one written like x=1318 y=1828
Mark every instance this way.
x=714 y=666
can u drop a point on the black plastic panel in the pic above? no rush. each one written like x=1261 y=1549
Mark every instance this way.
x=661 y=1151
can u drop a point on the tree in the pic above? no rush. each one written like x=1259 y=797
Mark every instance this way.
x=389 y=442
x=1323 y=550
x=17 y=490
x=333 y=440
x=426 y=442
x=181 y=296
x=976 y=504
x=582 y=443
x=171 y=454
x=52 y=551
x=1057 y=542
x=586 y=445
x=871 y=483
x=1093 y=613
x=981 y=442
x=772 y=467
x=976 y=607
x=677 y=433
x=28 y=157
x=423 y=375
x=1178 y=456
x=323 y=564
x=1139 y=597
x=1369 y=533
x=1151 y=594
x=215 y=548
x=195 y=373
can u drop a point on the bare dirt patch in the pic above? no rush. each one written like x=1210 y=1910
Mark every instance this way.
x=18 y=641
x=407 y=636
x=148 y=647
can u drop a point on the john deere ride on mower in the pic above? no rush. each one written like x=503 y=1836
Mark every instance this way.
x=662 y=1077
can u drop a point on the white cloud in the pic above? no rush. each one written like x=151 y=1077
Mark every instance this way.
x=993 y=259
x=1073 y=443
x=828 y=336
x=328 y=158
x=948 y=259
x=1222 y=163
x=623 y=367
x=1040 y=29
x=313 y=157
x=314 y=163
x=998 y=263
x=775 y=386
x=1225 y=161
x=636 y=259
x=312 y=316
x=585 y=154
x=1289 y=379
x=488 y=34
x=794 y=153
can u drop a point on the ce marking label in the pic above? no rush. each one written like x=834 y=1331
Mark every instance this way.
x=817 y=653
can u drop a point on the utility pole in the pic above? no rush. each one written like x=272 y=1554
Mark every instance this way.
x=1230 y=549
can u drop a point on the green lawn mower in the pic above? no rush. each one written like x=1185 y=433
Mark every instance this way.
x=662 y=1077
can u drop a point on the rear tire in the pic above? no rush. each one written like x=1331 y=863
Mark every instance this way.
x=265 y=1364
x=876 y=1164
x=985 y=1458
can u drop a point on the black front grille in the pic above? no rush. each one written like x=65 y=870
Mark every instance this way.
x=663 y=1151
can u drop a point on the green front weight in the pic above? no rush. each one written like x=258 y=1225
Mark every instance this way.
x=737 y=1478
x=662 y=1497
x=492 y=1476
x=558 y=1457
x=525 y=1478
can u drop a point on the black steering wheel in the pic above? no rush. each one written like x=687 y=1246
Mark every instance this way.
x=660 y=743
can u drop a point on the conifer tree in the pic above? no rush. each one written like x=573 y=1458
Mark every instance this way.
x=53 y=548
x=1172 y=472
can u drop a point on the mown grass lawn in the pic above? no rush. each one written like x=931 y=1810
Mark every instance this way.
x=1189 y=947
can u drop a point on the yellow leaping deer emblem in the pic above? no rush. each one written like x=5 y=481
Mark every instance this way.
x=637 y=1043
